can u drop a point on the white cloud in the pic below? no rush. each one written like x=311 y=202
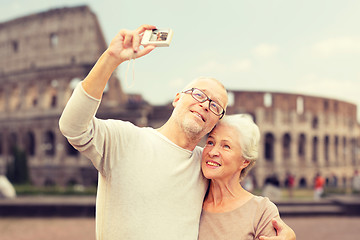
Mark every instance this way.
x=265 y=50
x=339 y=45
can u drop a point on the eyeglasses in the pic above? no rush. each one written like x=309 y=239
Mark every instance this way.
x=201 y=97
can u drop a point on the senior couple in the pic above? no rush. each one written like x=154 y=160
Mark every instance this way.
x=154 y=183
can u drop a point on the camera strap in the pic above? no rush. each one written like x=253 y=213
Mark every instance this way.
x=133 y=73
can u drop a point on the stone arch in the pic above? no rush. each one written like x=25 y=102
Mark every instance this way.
x=272 y=180
x=1 y=144
x=269 y=147
x=286 y=146
x=71 y=182
x=30 y=143
x=13 y=141
x=2 y=100
x=15 y=98
x=302 y=146
x=336 y=148
x=49 y=143
x=344 y=147
x=54 y=40
x=49 y=182
x=353 y=151
x=315 y=123
x=51 y=99
x=302 y=182
x=326 y=148
x=315 y=143
x=31 y=96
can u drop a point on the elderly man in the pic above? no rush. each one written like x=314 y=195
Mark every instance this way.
x=150 y=184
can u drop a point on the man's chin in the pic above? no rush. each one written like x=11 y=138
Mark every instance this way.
x=193 y=128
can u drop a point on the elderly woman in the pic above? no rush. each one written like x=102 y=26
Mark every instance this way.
x=229 y=211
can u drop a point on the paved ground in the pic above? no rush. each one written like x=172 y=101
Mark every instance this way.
x=47 y=229
x=321 y=228
x=306 y=228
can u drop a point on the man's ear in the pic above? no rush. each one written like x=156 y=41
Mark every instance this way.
x=176 y=99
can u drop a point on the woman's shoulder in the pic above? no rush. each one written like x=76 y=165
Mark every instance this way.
x=264 y=203
x=261 y=199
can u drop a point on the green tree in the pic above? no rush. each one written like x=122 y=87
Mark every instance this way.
x=17 y=171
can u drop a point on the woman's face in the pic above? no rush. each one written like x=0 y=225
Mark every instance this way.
x=222 y=156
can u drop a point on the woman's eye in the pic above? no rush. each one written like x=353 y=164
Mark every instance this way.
x=209 y=143
x=227 y=146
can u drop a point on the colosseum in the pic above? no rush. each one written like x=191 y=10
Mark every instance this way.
x=302 y=136
x=44 y=55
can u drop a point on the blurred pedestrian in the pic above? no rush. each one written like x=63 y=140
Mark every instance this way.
x=318 y=186
x=290 y=183
x=272 y=188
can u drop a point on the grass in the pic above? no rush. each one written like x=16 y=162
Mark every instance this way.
x=307 y=194
x=28 y=190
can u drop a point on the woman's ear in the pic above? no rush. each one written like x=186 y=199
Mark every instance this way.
x=176 y=99
x=245 y=164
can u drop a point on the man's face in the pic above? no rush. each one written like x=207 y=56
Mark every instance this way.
x=194 y=117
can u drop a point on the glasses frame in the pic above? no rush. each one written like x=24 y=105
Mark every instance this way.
x=191 y=92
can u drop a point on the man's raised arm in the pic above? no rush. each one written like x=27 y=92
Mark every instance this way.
x=80 y=110
x=124 y=46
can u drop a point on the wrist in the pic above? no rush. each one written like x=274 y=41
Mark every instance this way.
x=111 y=59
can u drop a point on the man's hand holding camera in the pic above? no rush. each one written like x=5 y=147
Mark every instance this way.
x=126 y=44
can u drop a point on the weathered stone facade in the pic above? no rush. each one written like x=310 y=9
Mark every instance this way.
x=43 y=56
x=302 y=135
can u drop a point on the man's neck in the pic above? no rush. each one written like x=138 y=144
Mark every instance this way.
x=178 y=136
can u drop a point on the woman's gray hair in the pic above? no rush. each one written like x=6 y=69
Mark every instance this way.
x=249 y=137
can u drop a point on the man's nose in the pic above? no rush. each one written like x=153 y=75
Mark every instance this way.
x=205 y=105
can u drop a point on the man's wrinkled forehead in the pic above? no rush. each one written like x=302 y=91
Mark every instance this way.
x=211 y=87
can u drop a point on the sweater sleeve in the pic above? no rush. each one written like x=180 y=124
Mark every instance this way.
x=79 y=125
x=267 y=212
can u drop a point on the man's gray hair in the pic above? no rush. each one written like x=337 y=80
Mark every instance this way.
x=190 y=84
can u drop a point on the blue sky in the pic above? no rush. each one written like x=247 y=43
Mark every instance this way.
x=307 y=47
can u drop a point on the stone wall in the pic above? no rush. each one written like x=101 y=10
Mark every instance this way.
x=42 y=58
x=302 y=135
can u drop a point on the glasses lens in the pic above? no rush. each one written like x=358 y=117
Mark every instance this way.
x=199 y=95
x=215 y=108
x=202 y=97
